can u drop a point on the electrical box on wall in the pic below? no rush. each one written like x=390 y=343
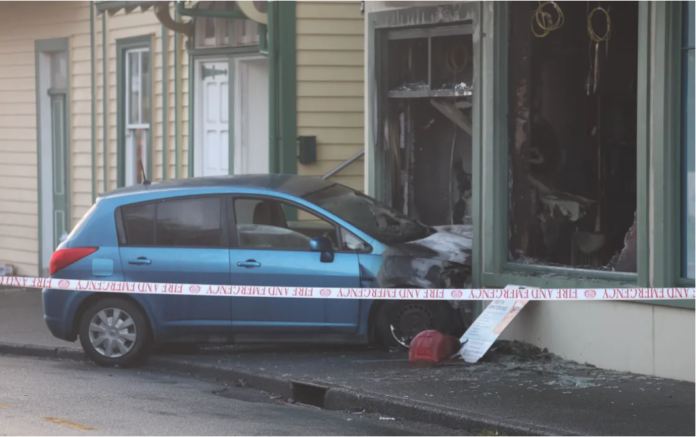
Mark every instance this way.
x=308 y=149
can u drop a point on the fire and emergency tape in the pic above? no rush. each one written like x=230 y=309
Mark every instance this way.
x=530 y=293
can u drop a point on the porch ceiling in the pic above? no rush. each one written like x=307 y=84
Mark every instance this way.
x=111 y=7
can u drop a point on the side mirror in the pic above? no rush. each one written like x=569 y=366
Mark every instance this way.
x=323 y=245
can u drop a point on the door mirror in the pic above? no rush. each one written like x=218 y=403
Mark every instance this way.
x=323 y=245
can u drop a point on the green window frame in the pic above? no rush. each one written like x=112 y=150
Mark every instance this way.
x=142 y=43
x=46 y=47
x=658 y=133
x=688 y=233
x=498 y=270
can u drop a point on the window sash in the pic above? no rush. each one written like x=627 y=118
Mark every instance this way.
x=134 y=82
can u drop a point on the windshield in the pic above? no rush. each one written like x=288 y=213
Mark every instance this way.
x=379 y=221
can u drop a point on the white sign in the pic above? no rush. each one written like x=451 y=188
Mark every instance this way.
x=488 y=326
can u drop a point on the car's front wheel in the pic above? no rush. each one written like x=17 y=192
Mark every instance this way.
x=114 y=332
x=398 y=322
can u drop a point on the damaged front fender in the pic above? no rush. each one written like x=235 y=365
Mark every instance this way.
x=440 y=260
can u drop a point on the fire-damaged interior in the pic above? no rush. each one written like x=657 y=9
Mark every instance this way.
x=571 y=115
x=572 y=134
x=426 y=122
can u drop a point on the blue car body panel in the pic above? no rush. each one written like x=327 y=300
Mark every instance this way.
x=226 y=318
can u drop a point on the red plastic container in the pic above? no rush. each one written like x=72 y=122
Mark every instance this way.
x=432 y=347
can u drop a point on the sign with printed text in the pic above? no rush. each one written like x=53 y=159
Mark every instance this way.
x=488 y=326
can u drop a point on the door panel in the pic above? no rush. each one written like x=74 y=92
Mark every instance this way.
x=251 y=145
x=214 y=119
x=183 y=315
x=292 y=269
x=60 y=168
x=269 y=253
x=180 y=240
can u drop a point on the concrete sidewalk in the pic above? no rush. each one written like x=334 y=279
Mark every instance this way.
x=517 y=390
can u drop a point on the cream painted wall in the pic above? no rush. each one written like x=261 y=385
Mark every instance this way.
x=21 y=23
x=139 y=23
x=634 y=337
x=330 y=70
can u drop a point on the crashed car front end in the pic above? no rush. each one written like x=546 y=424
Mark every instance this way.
x=440 y=260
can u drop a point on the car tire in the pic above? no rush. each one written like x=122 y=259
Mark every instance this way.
x=114 y=332
x=409 y=318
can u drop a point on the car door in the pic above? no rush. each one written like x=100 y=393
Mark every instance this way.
x=180 y=240
x=270 y=239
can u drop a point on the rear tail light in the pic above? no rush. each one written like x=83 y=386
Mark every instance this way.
x=64 y=257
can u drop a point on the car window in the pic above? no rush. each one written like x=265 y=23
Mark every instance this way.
x=272 y=224
x=139 y=223
x=379 y=221
x=192 y=222
x=352 y=243
x=189 y=222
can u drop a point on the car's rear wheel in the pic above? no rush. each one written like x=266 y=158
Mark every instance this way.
x=398 y=322
x=114 y=332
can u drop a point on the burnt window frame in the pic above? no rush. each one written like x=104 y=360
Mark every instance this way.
x=122 y=233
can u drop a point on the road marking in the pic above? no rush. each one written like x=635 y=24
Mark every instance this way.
x=5 y=406
x=70 y=424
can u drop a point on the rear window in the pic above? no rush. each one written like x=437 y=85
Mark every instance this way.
x=139 y=221
x=189 y=222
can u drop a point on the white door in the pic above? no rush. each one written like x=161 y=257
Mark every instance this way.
x=251 y=116
x=211 y=153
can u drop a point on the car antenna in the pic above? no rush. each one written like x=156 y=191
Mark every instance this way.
x=142 y=172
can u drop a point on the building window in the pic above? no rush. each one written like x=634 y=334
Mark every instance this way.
x=688 y=195
x=222 y=32
x=138 y=110
x=572 y=137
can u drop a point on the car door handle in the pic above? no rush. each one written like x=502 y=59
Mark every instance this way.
x=249 y=264
x=141 y=261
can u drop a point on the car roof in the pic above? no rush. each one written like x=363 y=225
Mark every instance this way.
x=289 y=184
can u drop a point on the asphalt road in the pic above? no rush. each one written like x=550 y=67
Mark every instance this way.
x=51 y=397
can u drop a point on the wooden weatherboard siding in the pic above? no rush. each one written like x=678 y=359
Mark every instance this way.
x=21 y=24
x=330 y=91
x=122 y=26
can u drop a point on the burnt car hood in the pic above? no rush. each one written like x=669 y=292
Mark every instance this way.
x=440 y=260
x=452 y=243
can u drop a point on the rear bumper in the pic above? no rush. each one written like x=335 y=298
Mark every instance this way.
x=60 y=307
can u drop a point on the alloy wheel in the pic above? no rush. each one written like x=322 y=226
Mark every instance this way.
x=112 y=332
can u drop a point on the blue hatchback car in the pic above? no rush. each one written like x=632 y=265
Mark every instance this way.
x=251 y=230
